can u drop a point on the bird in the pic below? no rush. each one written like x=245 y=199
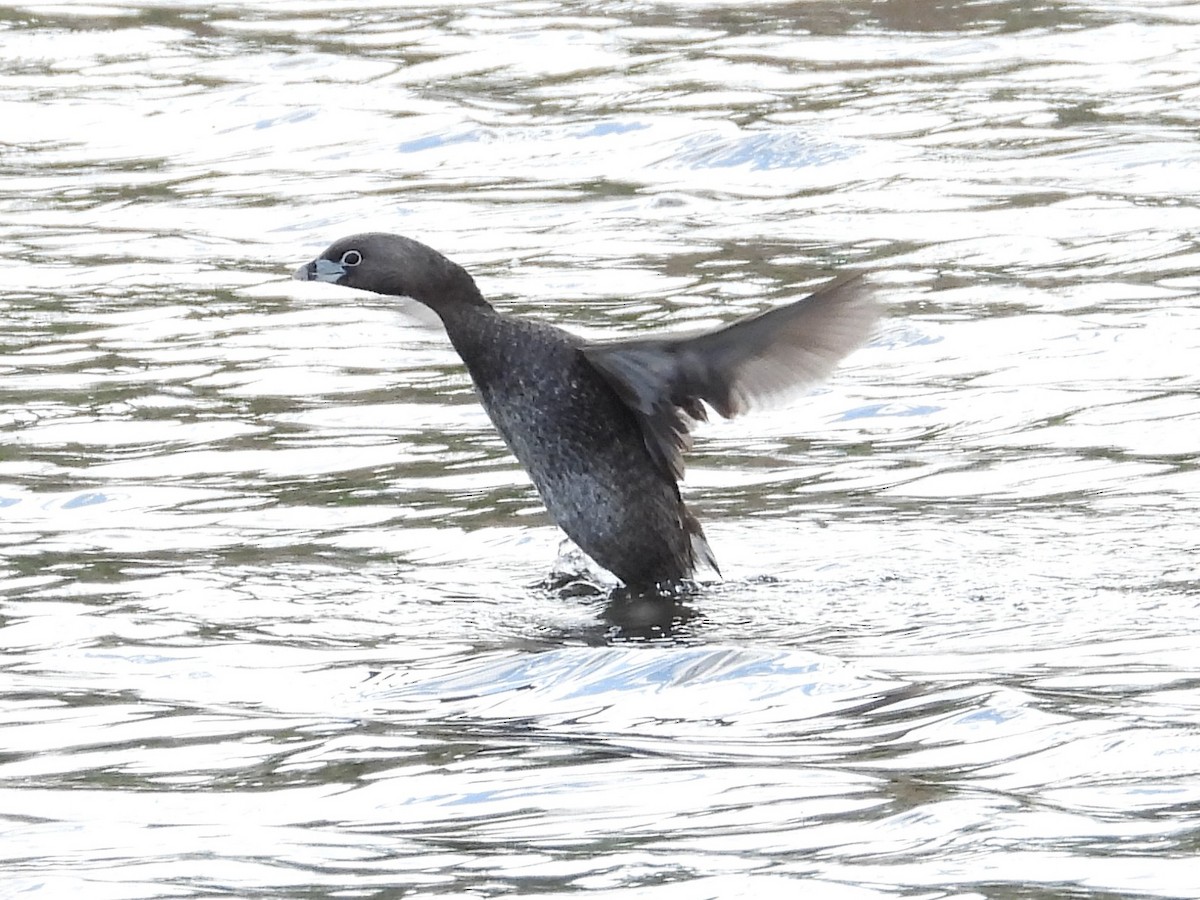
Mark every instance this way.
x=601 y=427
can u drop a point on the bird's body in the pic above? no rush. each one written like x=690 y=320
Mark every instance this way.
x=600 y=428
x=580 y=444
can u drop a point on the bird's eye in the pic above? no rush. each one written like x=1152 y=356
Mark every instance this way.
x=351 y=258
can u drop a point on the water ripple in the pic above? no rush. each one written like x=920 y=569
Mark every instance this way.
x=274 y=602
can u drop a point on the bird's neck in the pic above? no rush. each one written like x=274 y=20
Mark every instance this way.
x=468 y=322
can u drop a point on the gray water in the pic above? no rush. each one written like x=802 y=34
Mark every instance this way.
x=278 y=611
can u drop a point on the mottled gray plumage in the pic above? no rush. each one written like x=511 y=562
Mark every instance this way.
x=601 y=427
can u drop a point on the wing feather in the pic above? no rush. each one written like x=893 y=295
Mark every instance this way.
x=753 y=363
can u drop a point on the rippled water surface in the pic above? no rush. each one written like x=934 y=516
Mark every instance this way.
x=277 y=608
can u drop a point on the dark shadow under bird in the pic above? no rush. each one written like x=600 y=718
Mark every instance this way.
x=601 y=427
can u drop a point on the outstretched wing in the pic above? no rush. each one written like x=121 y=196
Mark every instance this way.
x=748 y=364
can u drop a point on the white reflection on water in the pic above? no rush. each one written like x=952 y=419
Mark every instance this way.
x=272 y=594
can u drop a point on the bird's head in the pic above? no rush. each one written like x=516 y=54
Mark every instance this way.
x=394 y=265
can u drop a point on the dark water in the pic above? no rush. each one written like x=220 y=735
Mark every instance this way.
x=273 y=598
